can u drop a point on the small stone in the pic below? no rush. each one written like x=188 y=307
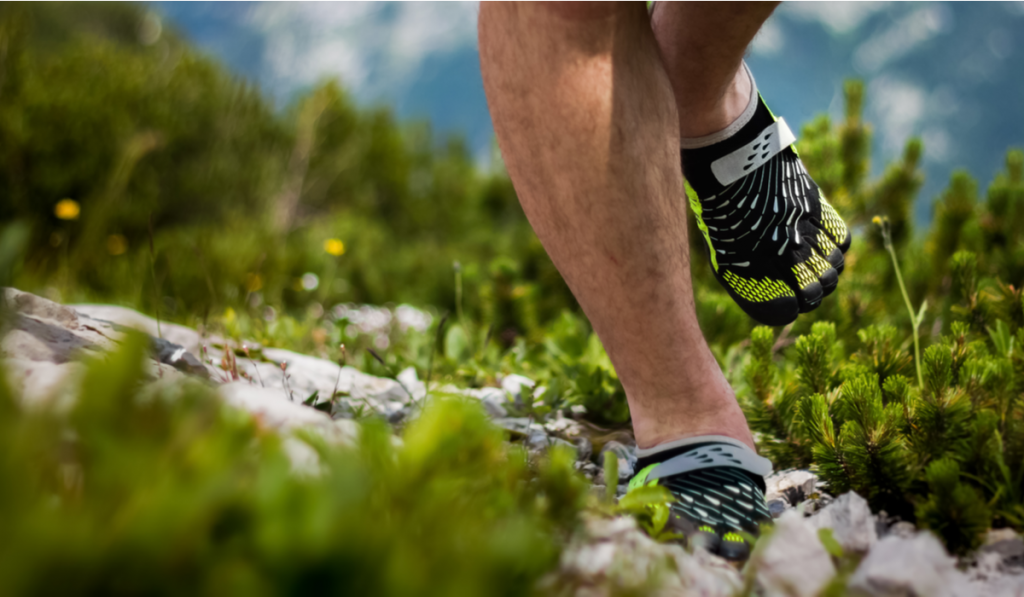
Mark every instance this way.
x=776 y=507
x=794 y=563
x=1011 y=551
x=794 y=486
x=991 y=576
x=851 y=522
x=613 y=556
x=899 y=567
x=494 y=408
x=538 y=440
x=514 y=384
x=591 y=470
x=398 y=416
x=176 y=356
x=626 y=457
x=584 y=449
x=999 y=535
x=902 y=529
x=411 y=382
x=816 y=502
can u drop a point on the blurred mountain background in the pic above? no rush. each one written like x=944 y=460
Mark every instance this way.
x=257 y=166
x=948 y=72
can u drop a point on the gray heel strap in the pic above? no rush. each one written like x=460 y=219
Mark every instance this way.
x=717 y=451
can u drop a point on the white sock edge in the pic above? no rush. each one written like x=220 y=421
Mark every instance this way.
x=689 y=441
x=732 y=129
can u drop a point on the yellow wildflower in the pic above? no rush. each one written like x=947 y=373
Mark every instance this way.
x=67 y=209
x=334 y=247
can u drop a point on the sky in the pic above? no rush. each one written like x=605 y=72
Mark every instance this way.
x=949 y=73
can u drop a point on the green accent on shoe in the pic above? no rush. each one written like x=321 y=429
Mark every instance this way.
x=735 y=537
x=698 y=211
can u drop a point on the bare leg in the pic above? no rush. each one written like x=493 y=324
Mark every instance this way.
x=702 y=46
x=586 y=120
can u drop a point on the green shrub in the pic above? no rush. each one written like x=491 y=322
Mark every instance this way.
x=164 y=491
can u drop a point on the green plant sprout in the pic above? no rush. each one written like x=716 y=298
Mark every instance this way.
x=915 y=319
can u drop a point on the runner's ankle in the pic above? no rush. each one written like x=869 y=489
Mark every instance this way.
x=704 y=116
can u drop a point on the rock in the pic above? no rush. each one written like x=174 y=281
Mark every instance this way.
x=44 y=331
x=793 y=563
x=564 y=426
x=541 y=441
x=519 y=426
x=625 y=455
x=492 y=399
x=412 y=384
x=999 y=535
x=187 y=338
x=494 y=408
x=899 y=567
x=792 y=486
x=1008 y=546
x=41 y=384
x=584 y=449
x=514 y=384
x=903 y=530
x=44 y=340
x=613 y=557
x=776 y=507
x=990 y=576
x=589 y=469
x=818 y=501
x=176 y=356
x=851 y=522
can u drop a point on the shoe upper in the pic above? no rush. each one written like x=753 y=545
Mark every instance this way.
x=773 y=240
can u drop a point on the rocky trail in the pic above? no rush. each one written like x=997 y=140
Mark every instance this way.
x=287 y=391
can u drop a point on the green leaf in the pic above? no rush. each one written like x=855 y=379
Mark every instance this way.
x=644 y=496
x=920 y=314
x=611 y=475
x=456 y=343
x=831 y=545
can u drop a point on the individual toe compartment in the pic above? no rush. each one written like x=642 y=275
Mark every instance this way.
x=820 y=260
x=801 y=275
x=834 y=226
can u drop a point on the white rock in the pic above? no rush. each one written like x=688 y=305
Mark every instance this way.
x=272 y=409
x=919 y=567
x=187 y=338
x=851 y=522
x=493 y=399
x=411 y=382
x=41 y=384
x=612 y=556
x=626 y=456
x=42 y=330
x=989 y=577
x=792 y=486
x=999 y=535
x=564 y=426
x=514 y=384
x=793 y=562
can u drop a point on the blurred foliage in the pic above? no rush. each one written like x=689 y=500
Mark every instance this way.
x=164 y=491
x=189 y=193
x=135 y=170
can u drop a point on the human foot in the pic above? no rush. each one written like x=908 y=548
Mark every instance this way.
x=774 y=242
x=718 y=483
